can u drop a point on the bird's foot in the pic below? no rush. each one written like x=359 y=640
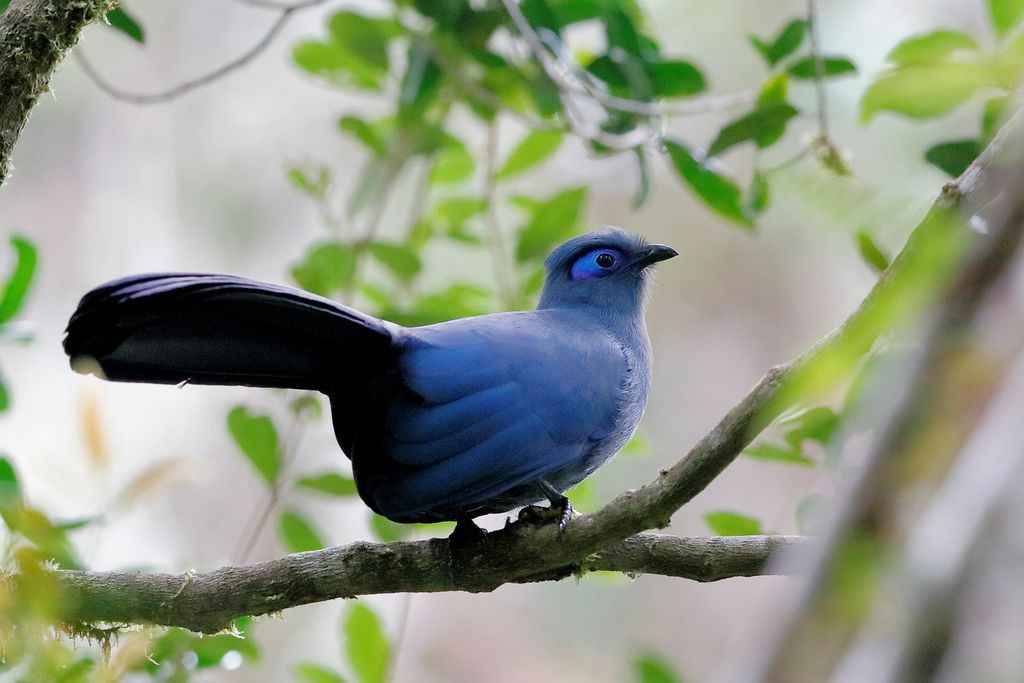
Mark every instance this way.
x=560 y=510
x=466 y=532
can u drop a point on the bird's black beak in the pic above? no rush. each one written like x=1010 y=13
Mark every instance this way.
x=653 y=254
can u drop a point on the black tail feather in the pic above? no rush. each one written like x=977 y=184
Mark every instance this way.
x=218 y=329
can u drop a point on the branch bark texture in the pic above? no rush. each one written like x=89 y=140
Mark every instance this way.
x=34 y=37
x=209 y=602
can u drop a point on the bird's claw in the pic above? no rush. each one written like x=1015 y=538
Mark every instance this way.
x=560 y=511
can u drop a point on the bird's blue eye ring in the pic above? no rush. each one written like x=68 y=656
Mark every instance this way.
x=599 y=262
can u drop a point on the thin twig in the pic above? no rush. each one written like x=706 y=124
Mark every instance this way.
x=264 y=42
x=571 y=81
x=290 y=446
x=499 y=254
x=819 y=69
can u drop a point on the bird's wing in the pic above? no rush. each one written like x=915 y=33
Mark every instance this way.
x=500 y=401
x=220 y=329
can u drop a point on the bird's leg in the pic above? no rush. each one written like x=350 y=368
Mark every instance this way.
x=560 y=508
x=466 y=531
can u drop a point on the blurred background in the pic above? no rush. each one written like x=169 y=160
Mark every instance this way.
x=107 y=188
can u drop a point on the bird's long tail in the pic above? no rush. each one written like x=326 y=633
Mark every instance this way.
x=171 y=328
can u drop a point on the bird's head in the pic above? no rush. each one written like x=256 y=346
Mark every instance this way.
x=606 y=269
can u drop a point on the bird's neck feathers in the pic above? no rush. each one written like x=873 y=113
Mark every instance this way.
x=619 y=307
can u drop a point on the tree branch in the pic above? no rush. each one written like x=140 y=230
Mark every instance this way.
x=34 y=37
x=209 y=602
x=957 y=372
x=285 y=13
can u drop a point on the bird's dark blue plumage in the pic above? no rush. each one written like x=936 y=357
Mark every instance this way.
x=441 y=422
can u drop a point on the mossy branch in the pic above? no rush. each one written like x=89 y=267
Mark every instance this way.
x=34 y=37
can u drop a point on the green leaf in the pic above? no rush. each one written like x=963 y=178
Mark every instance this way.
x=536 y=147
x=363 y=37
x=10 y=490
x=953 y=157
x=452 y=165
x=811 y=424
x=540 y=15
x=830 y=66
x=764 y=125
x=5 y=396
x=720 y=193
x=871 y=252
x=775 y=89
x=41 y=532
x=1005 y=15
x=256 y=437
x=553 y=221
x=331 y=483
x=924 y=90
x=726 y=523
x=574 y=11
x=621 y=32
x=674 y=78
x=785 y=44
x=327 y=268
x=366 y=133
x=297 y=533
x=332 y=62
x=312 y=179
x=311 y=672
x=387 y=531
x=120 y=20
x=932 y=47
x=14 y=292
x=771 y=453
x=453 y=213
x=992 y=116
x=78 y=523
x=421 y=81
x=650 y=668
x=366 y=645
x=399 y=259
x=758 y=195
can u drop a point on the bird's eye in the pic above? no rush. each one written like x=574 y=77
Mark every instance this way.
x=601 y=262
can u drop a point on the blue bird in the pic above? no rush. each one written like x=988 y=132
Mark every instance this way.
x=441 y=422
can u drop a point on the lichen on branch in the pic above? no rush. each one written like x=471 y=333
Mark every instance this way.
x=35 y=35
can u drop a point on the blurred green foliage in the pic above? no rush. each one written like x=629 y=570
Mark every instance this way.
x=12 y=299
